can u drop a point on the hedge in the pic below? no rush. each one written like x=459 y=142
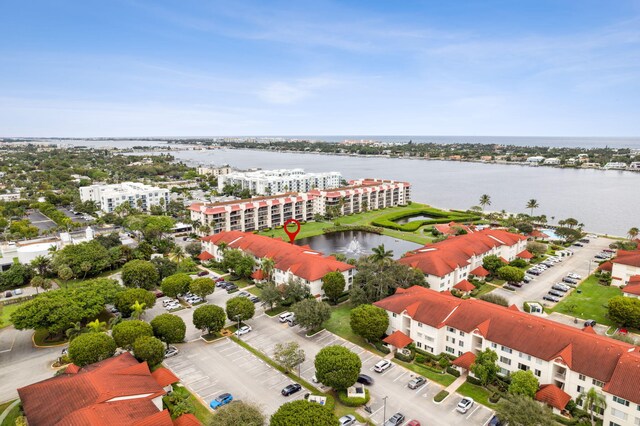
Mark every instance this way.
x=440 y=216
x=474 y=381
x=342 y=228
x=453 y=371
x=403 y=357
x=353 y=402
x=441 y=395
x=381 y=347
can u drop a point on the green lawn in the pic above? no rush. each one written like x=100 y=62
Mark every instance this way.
x=339 y=324
x=478 y=393
x=10 y=420
x=443 y=379
x=590 y=303
x=5 y=314
x=487 y=288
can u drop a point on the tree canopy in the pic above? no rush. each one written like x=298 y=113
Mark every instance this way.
x=75 y=255
x=150 y=349
x=209 y=317
x=523 y=411
x=511 y=274
x=289 y=355
x=492 y=263
x=169 y=328
x=240 y=307
x=140 y=273
x=128 y=297
x=333 y=285
x=176 y=284
x=303 y=413
x=485 y=367
x=369 y=322
x=375 y=281
x=624 y=311
x=337 y=367
x=126 y=332
x=311 y=313
x=89 y=348
x=238 y=413
x=523 y=383
x=202 y=286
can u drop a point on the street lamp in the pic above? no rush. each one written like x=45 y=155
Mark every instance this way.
x=238 y=328
x=384 y=410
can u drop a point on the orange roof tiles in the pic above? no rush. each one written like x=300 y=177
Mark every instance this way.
x=625 y=381
x=164 y=377
x=553 y=396
x=606 y=266
x=85 y=397
x=452 y=228
x=302 y=262
x=629 y=258
x=398 y=339
x=538 y=337
x=480 y=272
x=258 y=275
x=187 y=420
x=205 y=255
x=465 y=360
x=525 y=254
x=465 y=286
x=634 y=286
x=444 y=257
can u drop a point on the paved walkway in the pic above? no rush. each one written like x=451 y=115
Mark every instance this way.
x=456 y=384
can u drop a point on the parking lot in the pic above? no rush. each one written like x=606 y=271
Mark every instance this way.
x=581 y=263
x=39 y=220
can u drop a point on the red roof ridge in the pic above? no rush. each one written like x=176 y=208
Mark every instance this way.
x=553 y=395
x=164 y=376
x=566 y=354
x=398 y=339
x=589 y=329
x=465 y=360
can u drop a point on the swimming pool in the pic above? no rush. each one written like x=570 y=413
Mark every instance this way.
x=552 y=234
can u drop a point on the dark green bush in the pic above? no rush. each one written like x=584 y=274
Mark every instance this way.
x=441 y=395
x=381 y=347
x=453 y=371
x=353 y=402
x=474 y=381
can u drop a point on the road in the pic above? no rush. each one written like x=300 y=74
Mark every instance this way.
x=581 y=263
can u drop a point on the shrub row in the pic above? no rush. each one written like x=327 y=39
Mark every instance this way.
x=441 y=395
x=453 y=371
x=405 y=358
x=342 y=228
x=381 y=347
x=474 y=381
x=440 y=216
x=353 y=402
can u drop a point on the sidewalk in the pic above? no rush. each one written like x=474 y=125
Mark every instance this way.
x=453 y=387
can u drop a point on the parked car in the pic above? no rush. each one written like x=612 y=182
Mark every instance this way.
x=283 y=317
x=464 y=405
x=203 y=273
x=608 y=250
x=8 y=294
x=382 y=366
x=584 y=240
x=244 y=294
x=560 y=287
x=364 y=379
x=243 y=330
x=527 y=279
x=548 y=264
x=569 y=280
x=574 y=276
x=194 y=300
x=556 y=293
x=413 y=423
x=17 y=291
x=534 y=271
x=551 y=298
x=347 y=420
x=291 y=321
x=601 y=256
x=169 y=301
x=577 y=245
x=219 y=279
x=221 y=400
x=171 y=351
x=231 y=288
x=509 y=287
x=590 y=323
x=158 y=294
x=495 y=421
x=416 y=382
x=395 y=420
x=515 y=284
x=255 y=299
x=291 y=389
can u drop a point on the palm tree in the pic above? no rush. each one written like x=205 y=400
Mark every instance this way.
x=532 y=204
x=74 y=331
x=633 y=232
x=485 y=200
x=593 y=401
x=97 y=326
x=178 y=254
x=268 y=265
x=380 y=255
x=41 y=264
x=137 y=309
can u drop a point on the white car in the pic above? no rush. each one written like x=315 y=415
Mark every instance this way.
x=347 y=420
x=243 y=330
x=283 y=317
x=172 y=306
x=171 y=351
x=574 y=276
x=382 y=366
x=169 y=302
x=464 y=405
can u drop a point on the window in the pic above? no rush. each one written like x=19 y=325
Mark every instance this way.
x=451 y=329
x=621 y=401
x=494 y=345
x=538 y=373
x=597 y=382
x=524 y=356
x=418 y=344
x=504 y=371
x=450 y=350
x=395 y=315
x=538 y=361
x=460 y=353
x=619 y=414
x=581 y=377
x=523 y=367
x=505 y=360
x=580 y=389
x=613 y=424
x=506 y=349
x=460 y=342
x=419 y=324
x=462 y=334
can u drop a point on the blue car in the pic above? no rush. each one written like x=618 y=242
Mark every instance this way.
x=221 y=400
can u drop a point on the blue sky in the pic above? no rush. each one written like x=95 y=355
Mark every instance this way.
x=204 y=68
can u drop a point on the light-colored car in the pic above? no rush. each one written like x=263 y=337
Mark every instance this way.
x=574 y=276
x=172 y=306
x=169 y=302
x=17 y=291
x=171 y=351
x=416 y=382
x=283 y=317
x=382 y=366
x=464 y=404
x=243 y=330
x=347 y=420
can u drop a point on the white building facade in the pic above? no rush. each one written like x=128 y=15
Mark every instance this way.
x=268 y=182
x=137 y=195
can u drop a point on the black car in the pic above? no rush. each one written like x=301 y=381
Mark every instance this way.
x=509 y=287
x=578 y=245
x=569 y=280
x=495 y=421
x=516 y=284
x=255 y=299
x=590 y=323
x=365 y=380
x=584 y=240
x=395 y=420
x=291 y=389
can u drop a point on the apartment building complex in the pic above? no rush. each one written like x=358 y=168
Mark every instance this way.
x=214 y=171
x=565 y=360
x=448 y=262
x=268 y=182
x=138 y=195
x=270 y=211
x=291 y=261
x=626 y=264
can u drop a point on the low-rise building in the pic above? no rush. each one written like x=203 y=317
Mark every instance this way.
x=625 y=265
x=552 y=161
x=290 y=261
x=538 y=159
x=634 y=166
x=14 y=196
x=615 y=165
x=566 y=360
x=214 y=171
x=137 y=195
x=116 y=391
x=632 y=289
x=448 y=262
x=267 y=182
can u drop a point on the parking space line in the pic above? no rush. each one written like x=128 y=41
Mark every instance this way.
x=400 y=376
x=477 y=408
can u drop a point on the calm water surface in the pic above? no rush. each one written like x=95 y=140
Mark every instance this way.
x=354 y=244
x=605 y=201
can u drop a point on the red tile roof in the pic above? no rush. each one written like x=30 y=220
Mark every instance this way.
x=635 y=279
x=258 y=275
x=452 y=228
x=538 y=337
x=525 y=254
x=84 y=397
x=398 y=339
x=187 y=420
x=632 y=288
x=589 y=329
x=606 y=266
x=465 y=360
x=480 y=272
x=301 y=261
x=629 y=258
x=553 y=396
x=465 y=286
x=205 y=255
x=537 y=234
x=444 y=257
x=164 y=377
x=625 y=381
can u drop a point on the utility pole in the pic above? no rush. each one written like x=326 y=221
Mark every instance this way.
x=384 y=410
x=238 y=329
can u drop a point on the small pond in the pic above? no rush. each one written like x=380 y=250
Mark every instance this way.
x=408 y=219
x=355 y=244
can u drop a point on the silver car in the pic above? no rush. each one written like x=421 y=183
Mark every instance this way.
x=347 y=420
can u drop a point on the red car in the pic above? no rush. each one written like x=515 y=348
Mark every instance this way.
x=219 y=279
x=158 y=294
x=413 y=423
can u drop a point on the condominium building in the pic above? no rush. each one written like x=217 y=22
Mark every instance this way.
x=565 y=360
x=270 y=211
x=214 y=171
x=138 y=195
x=626 y=264
x=448 y=262
x=268 y=182
x=290 y=261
